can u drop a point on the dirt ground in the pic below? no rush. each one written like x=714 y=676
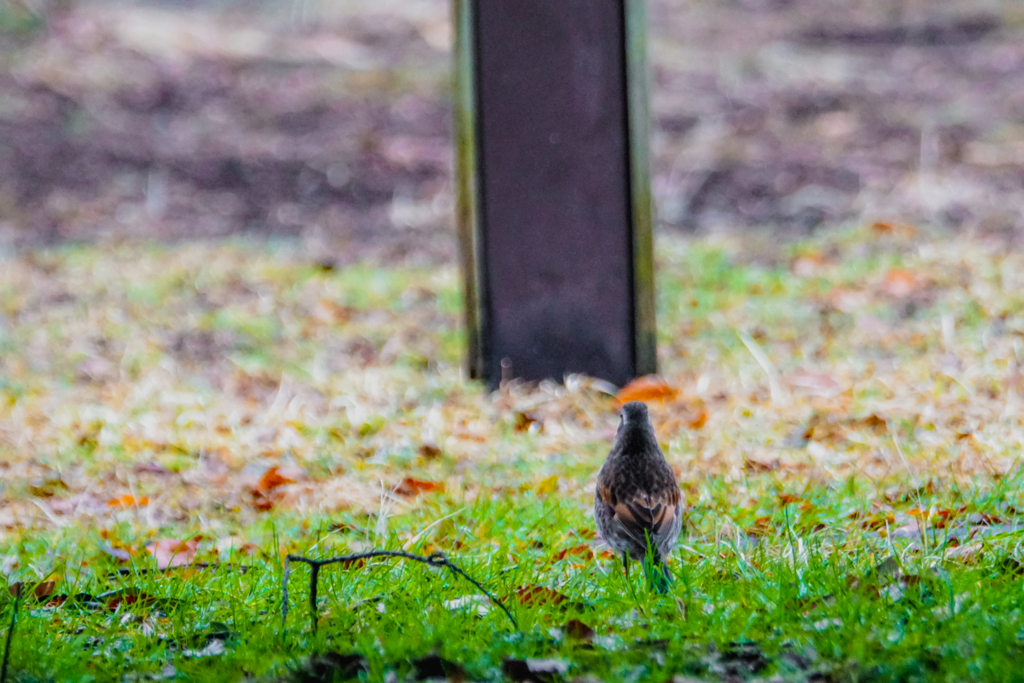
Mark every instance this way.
x=188 y=119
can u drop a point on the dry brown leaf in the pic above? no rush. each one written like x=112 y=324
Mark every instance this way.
x=429 y=450
x=273 y=479
x=649 y=388
x=583 y=551
x=42 y=590
x=539 y=595
x=411 y=486
x=524 y=421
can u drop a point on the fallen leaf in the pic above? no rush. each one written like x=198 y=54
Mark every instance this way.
x=752 y=465
x=539 y=595
x=44 y=589
x=127 y=501
x=647 y=388
x=525 y=421
x=262 y=501
x=875 y=423
x=47 y=487
x=583 y=551
x=273 y=479
x=411 y=487
x=41 y=591
x=171 y=553
x=429 y=450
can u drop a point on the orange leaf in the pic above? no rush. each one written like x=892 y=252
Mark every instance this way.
x=413 y=487
x=699 y=421
x=272 y=479
x=127 y=501
x=874 y=422
x=647 y=388
x=582 y=550
x=538 y=595
x=171 y=553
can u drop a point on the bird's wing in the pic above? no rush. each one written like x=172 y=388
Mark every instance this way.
x=644 y=515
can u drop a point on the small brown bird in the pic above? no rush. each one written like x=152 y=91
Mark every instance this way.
x=637 y=499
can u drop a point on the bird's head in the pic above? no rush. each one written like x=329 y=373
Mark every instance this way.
x=635 y=413
x=636 y=433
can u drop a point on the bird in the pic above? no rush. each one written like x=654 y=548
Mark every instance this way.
x=636 y=503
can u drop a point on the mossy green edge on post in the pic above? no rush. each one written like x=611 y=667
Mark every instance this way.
x=637 y=115
x=467 y=206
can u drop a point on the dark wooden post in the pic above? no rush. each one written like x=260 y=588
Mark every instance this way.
x=554 y=202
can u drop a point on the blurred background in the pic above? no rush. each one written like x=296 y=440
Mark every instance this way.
x=330 y=120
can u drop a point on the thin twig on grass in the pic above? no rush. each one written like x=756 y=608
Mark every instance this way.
x=434 y=560
x=10 y=634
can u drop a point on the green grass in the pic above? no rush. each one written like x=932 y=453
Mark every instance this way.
x=182 y=374
x=802 y=596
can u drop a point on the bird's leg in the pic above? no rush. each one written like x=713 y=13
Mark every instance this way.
x=629 y=584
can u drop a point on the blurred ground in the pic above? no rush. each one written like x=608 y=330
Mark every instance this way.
x=184 y=119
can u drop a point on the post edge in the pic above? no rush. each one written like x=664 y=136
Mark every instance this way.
x=467 y=209
x=638 y=122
